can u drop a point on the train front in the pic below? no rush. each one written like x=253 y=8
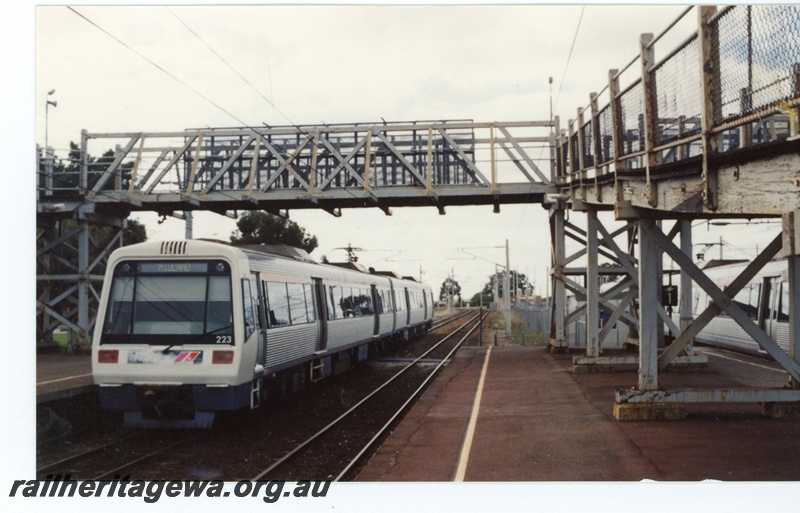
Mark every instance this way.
x=167 y=348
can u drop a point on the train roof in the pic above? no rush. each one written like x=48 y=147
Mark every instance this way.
x=281 y=250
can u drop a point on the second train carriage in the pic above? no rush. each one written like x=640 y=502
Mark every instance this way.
x=192 y=327
x=765 y=299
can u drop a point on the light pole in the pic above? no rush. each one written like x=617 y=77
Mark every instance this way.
x=47 y=105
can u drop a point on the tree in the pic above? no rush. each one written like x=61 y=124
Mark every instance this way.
x=481 y=298
x=66 y=173
x=449 y=286
x=521 y=282
x=259 y=227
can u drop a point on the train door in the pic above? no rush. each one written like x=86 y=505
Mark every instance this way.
x=408 y=305
x=376 y=311
x=770 y=305
x=261 y=355
x=322 y=317
x=393 y=306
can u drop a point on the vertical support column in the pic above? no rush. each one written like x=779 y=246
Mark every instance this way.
x=558 y=340
x=613 y=104
x=791 y=248
x=649 y=292
x=189 y=228
x=570 y=150
x=555 y=165
x=592 y=288
x=647 y=53
x=83 y=286
x=709 y=65
x=84 y=171
x=507 y=293
x=658 y=270
x=581 y=150
x=794 y=126
x=686 y=282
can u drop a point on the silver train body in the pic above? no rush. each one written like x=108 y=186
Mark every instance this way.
x=189 y=328
x=765 y=299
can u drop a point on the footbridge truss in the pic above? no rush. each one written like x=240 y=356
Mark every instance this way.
x=276 y=169
x=708 y=131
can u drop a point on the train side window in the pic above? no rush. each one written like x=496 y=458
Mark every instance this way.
x=331 y=304
x=783 y=308
x=310 y=308
x=338 y=300
x=400 y=300
x=297 y=303
x=747 y=300
x=278 y=302
x=364 y=303
x=379 y=301
x=247 y=302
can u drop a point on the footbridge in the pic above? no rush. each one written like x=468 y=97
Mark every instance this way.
x=704 y=130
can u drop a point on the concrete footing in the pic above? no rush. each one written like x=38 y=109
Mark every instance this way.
x=590 y=368
x=781 y=410
x=649 y=411
x=557 y=349
x=688 y=367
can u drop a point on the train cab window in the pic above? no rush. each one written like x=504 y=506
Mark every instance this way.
x=169 y=302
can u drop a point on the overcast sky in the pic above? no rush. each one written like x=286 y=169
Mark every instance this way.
x=319 y=64
x=341 y=64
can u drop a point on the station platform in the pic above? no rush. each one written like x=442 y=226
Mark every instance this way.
x=537 y=421
x=59 y=376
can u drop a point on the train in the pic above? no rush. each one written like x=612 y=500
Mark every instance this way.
x=186 y=329
x=765 y=299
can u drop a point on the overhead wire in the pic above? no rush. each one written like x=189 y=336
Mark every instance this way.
x=158 y=67
x=560 y=86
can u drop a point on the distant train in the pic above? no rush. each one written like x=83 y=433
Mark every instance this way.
x=189 y=328
x=765 y=299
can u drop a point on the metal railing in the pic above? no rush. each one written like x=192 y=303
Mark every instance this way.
x=735 y=82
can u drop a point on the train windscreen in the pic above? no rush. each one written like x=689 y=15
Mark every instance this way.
x=169 y=302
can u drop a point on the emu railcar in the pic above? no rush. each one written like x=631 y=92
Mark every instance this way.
x=765 y=299
x=189 y=328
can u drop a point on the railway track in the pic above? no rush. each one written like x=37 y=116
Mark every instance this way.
x=160 y=454
x=106 y=460
x=299 y=462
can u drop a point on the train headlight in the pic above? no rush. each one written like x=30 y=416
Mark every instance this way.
x=222 y=357
x=108 y=356
x=220 y=267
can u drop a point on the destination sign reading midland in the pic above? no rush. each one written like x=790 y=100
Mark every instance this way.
x=173 y=267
